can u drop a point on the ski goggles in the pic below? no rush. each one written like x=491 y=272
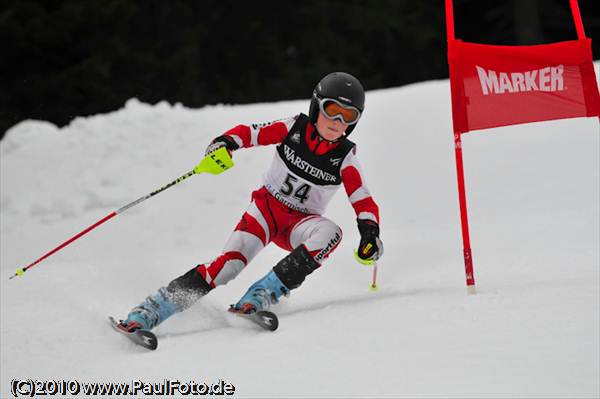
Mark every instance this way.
x=333 y=109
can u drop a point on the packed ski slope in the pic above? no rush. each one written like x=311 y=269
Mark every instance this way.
x=532 y=330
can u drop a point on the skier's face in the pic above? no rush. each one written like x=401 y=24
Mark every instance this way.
x=330 y=129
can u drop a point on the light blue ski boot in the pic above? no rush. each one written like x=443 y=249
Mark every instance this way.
x=180 y=294
x=154 y=310
x=262 y=294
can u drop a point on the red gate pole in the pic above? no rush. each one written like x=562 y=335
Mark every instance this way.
x=464 y=221
x=462 y=197
x=577 y=19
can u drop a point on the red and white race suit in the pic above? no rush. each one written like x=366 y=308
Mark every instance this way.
x=305 y=174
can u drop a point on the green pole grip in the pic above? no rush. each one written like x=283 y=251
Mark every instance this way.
x=215 y=163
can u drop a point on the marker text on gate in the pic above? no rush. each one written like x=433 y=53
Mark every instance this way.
x=548 y=79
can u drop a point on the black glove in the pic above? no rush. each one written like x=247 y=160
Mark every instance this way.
x=370 y=247
x=222 y=141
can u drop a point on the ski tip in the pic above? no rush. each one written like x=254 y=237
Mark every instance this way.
x=268 y=320
x=144 y=338
x=148 y=339
x=263 y=318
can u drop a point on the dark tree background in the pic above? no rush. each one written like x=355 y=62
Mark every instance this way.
x=67 y=58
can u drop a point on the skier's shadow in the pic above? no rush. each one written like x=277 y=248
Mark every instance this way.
x=343 y=302
x=222 y=321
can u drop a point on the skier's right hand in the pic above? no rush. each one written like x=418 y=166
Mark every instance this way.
x=222 y=141
x=370 y=247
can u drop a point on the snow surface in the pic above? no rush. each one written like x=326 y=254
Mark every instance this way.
x=533 y=191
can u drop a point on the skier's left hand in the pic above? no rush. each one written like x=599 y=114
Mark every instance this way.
x=370 y=247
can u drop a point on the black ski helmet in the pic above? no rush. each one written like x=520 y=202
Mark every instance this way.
x=342 y=87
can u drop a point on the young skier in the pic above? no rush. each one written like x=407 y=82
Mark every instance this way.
x=313 y=158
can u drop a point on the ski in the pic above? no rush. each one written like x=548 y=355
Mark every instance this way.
x=263 y=318
x=144 y=338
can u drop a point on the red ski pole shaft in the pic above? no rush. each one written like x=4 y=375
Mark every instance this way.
x=374 y=275
x=21 y=271
x=374 y=286
x=214 y=163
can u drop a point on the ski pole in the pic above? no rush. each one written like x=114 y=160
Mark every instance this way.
x=374 y=286
x=214 y=163
x=369 y=262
